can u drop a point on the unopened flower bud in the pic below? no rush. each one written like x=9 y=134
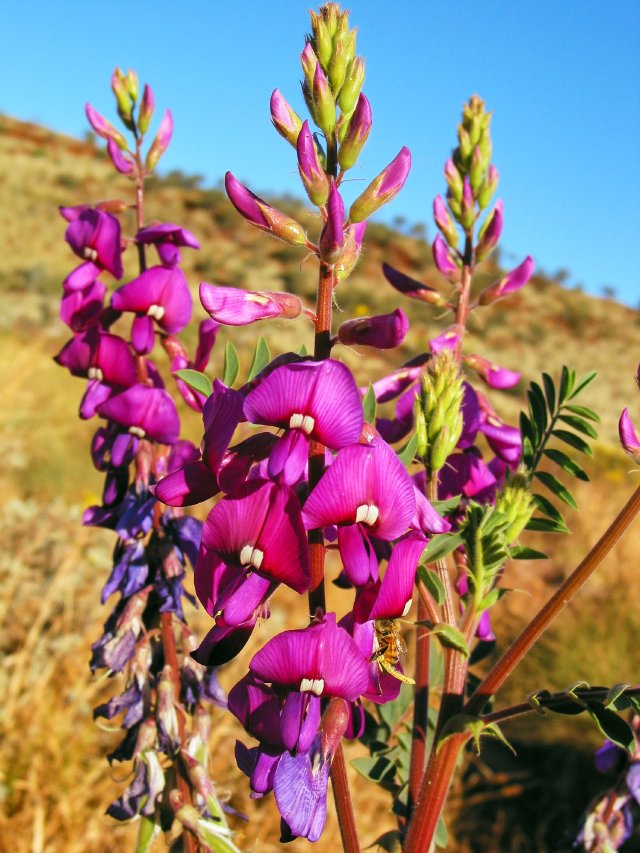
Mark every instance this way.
x=440 y=403
x=444 y=222
x=494 y=375
x=119 y=160
x=322 y=40
x=352 y=247
x=467 y=207
x=256 y=211
x=323 y=102
x=444 y=260
x=514 y=500
x=629 y=438
x=123 y=101
x=338 y=67
x=490 y=233
x=161 y=141
x=465 y=148
x=384 y=331
x=383 y=188
x=332 y=237
x=147 y=107
x=356 y=134
x=476 y=169
x=104 y=128
x=333 y=726
x=131 y=85
x=309 y=62
x=488 y=187
x=352 y=85
x=285 y=120
x=509 y=283
x=410 y=287
x=314 y=178
x=453 y=179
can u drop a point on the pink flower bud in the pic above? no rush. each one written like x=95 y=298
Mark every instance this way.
x=256 y=211
x=313 y=175
x=104 y=128
x=490 y=232
x=443 y=260
x=333 y=726
x=384 y=331
x=444 y=221
x=383 y=188
x=161 y=142
x=629 y=438
x=509 y=283
x=147 y=107
x=285 y=120
x=494 y=375
x=356 y=135
x=323 y=103
x=122 y=164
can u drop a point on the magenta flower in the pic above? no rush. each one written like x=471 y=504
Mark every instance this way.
x=146 y=412
x=256 y=211
x=410 y=287
x=504 y=440
x=303 y=397
x=383 y=332
x=104 y=128
x=509 y=283
x=95 y=237
x=160 y=294
x=167 y=237
x=82 y=308
x=234 y=307
x=366 y=484
x=391 y=597
x=382 y=189
x=449 y=339
x=492 y=232
x=259 y=527
x=466 y=474
x=161 y=141
x=321 y=659
x=629 y=438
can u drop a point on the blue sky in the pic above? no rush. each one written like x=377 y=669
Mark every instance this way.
x=561 y=76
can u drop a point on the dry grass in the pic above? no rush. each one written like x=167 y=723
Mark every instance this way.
x=54 y=781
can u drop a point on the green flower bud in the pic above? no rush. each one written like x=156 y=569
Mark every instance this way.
x=350 y=47
x=131 y=85
x=321 y=40
x=515 y=501
x=439 y=410
x=123 y=101
x=476 y=170
x=337 y=68
x=466 y=146
x=353 y=82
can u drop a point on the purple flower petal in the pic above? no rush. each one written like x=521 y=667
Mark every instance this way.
x=384 y=331
x=357 y=554
x=186 y=486
x=161 y=293
x=304 y=396
x=368 y=484
x=151 y=411
x=260 y=526
x=629 y=438
x=300 y=789
x=235 y=307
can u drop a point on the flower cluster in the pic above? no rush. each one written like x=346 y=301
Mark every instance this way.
x=146 y=637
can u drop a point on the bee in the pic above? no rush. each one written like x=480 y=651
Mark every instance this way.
x=388 y=645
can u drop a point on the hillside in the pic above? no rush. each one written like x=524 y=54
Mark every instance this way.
x=53 y=782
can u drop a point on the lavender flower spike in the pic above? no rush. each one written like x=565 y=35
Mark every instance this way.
x=629 y=438
x=384 y=331
x=383 y=188
x=256 y=211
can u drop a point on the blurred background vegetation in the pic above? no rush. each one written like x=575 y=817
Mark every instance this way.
x=54 y=781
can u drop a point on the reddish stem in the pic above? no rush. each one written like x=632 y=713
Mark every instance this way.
x=420 y=708
x=558 y=601
x=317 y=551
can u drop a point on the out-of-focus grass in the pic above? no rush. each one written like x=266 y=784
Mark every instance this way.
x=54 y=780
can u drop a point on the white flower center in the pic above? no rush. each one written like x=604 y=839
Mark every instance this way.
x=90 y=254
x=156 y=311
x=250 y=556
x=407 y=607
x=137 y=431
x=304 y=422
x=95 y=373
x=367 y=514
x=312 y=685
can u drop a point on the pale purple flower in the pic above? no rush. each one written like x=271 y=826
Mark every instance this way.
x=95 y=237
x=232 y=306
x=159 y=294
x=285 y=120
x=443 y=259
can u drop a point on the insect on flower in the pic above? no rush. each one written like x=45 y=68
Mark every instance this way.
x=388 y=645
